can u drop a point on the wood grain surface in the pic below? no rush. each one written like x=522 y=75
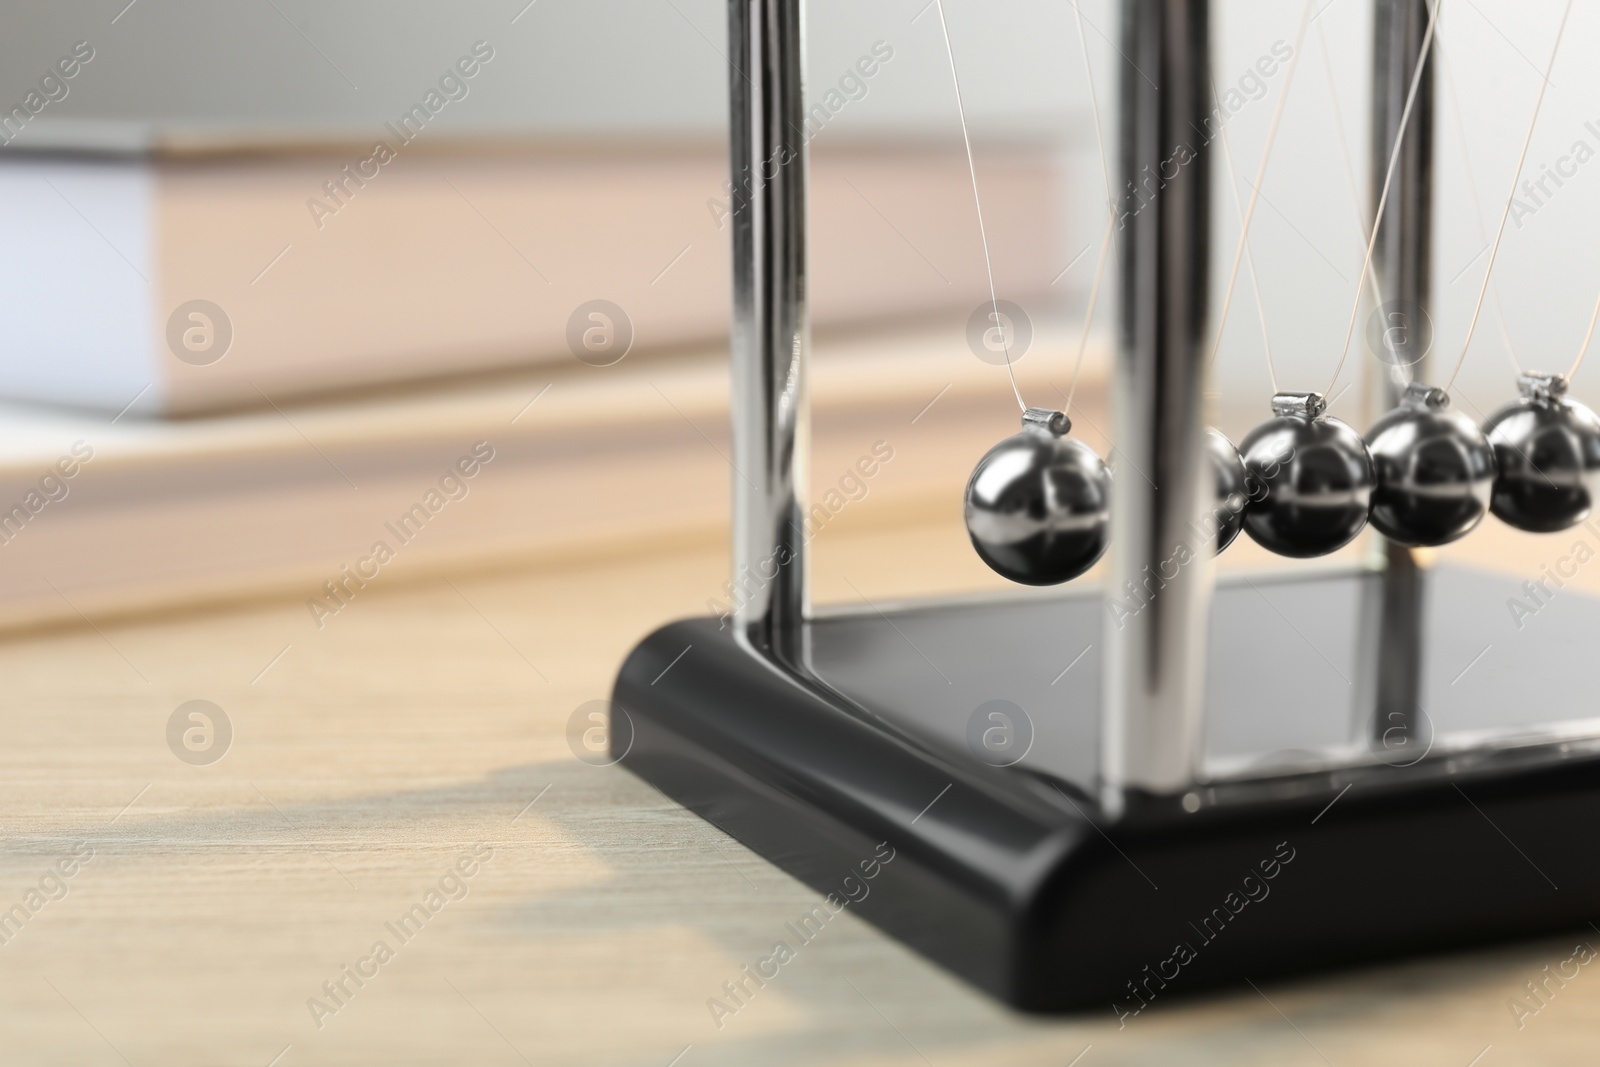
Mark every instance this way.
x=427 y=720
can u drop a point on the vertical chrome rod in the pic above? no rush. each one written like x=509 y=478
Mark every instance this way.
x=771 y=328
x=1150 y=737
x=1403 y=262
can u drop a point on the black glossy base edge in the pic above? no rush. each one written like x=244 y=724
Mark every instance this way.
x=1024 y=888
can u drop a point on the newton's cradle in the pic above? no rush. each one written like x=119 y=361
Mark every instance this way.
x=1214 y=792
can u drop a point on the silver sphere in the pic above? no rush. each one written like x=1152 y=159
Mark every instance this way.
x=1038 y=504
x=1228 y=470
x=1310 y=479
x=1548 y=449
x=1435 y=470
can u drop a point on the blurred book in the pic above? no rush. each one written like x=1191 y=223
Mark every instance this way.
x=176 y=276
x=100 y=517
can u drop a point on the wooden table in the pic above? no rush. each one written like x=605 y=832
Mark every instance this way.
x=371 y=758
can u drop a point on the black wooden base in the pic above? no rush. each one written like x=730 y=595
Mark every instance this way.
x=1017 y=880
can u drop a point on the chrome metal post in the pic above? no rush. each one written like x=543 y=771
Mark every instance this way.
x=1150 y=735
x=1403 y=264
x=771 y=331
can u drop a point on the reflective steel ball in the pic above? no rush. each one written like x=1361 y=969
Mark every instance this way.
x=1434 y=469
x=1228 y=470
x=1309 y=479
x=1038 y=504
x=1548 y=450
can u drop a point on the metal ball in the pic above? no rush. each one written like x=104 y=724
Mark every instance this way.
x=1434 y=468
x=1038 y=504
x=1228 y=470
x=1548 y=450
x=1310 y=479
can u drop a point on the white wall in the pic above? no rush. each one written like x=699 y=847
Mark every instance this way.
x=571 y=66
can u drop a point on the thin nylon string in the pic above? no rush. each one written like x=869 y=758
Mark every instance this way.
x=1249 y=257
x=1587 y=337
x=1527 y=139
x=1111 y=212
x=1094 y=100
x=1344 y=151
x=1261 y=173
x=1442 y=53
x=1088 y=315
x=1388 y=182
x=983 y=233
